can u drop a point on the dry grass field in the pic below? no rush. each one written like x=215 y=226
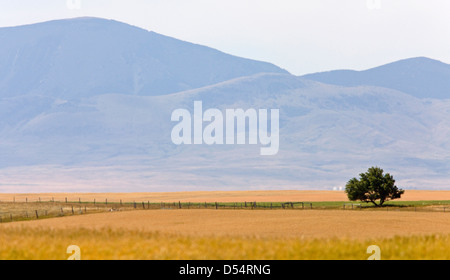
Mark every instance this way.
x=303 y=224
x=218 y=196
x=120 y=244
x=232 y=234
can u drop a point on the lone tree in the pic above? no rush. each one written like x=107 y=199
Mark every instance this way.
x=373 y=186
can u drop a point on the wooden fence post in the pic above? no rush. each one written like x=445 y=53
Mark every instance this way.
x=37 y=216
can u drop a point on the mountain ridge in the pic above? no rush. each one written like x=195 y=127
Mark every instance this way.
x=327 y=133
x=84 y=129
x=88 y=56
x=420 y=76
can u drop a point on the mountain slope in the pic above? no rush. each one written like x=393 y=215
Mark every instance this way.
x=328 y=134
x=86 y=105
x=90 y=56
x=421 y=77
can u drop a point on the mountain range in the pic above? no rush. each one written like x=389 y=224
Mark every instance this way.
x=90 y=56
x=421 y=77
x=86 y=104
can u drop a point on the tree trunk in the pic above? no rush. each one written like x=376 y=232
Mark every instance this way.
x=375 y=203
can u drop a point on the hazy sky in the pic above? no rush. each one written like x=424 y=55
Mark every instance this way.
x=302 y=36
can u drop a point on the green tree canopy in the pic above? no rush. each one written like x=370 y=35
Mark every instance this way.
x=373 y=186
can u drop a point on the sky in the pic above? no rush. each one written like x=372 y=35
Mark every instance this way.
x=301 y=36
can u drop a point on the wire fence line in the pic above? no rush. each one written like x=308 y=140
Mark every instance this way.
x=40 y=208
x=44 y=210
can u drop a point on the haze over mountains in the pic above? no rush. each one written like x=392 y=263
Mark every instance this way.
x=90 y=56
x=86 y=104
x=421 y=77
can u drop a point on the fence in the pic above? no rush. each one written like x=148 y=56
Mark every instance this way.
x=17 y=211
x=352 y=205
x=236 y=205
x=40 y=208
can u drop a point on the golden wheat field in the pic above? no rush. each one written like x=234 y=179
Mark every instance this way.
x=304 y=224
x=216 y=196
x=231 y=234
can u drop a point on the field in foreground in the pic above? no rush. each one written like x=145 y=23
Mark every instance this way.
x=305 y=224
x=228 y=234
x=107 y=244
x=231 y=234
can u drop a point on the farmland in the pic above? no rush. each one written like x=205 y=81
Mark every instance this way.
x=218 y=196
x=173 y=233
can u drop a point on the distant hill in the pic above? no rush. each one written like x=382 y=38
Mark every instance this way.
x=421 y=77
x=86 y=105
x=90 y=56
x=122 y=143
